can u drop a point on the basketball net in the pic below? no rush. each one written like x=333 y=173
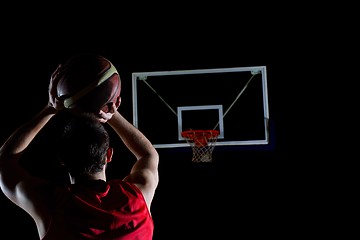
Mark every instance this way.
x=202 y=143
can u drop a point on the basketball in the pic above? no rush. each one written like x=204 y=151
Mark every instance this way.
x=88 y=83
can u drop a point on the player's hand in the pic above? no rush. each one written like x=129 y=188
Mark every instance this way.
x=107 y=112
x=54 y=101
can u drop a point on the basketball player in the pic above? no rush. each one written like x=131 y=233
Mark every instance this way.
x=89 y=206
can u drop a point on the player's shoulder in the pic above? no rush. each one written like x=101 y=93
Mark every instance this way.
x=124 y=186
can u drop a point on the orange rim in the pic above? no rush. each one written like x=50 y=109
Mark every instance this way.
x=200 y=137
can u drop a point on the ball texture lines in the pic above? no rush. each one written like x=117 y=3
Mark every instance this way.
x=88 y=83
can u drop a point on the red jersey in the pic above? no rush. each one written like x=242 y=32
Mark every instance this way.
x=116 y=210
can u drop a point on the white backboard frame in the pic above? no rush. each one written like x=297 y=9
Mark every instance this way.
x=141 y=76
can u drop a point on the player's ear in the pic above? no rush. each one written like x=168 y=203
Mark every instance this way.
x=109 y=154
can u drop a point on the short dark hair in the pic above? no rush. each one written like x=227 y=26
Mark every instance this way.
x=83 y=145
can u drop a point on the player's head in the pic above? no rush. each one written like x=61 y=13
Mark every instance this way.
x=84 y=147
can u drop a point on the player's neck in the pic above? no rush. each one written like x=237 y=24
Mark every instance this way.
x=86 y=178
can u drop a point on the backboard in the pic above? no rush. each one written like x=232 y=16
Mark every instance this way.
x=233 y=101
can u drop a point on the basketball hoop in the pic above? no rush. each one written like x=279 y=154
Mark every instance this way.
x=202 y=143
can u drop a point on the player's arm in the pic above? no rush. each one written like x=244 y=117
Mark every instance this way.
x=15 y=182
x=12 y=176
x=144 y=173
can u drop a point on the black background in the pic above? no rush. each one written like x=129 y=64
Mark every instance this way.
x=276 y=192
